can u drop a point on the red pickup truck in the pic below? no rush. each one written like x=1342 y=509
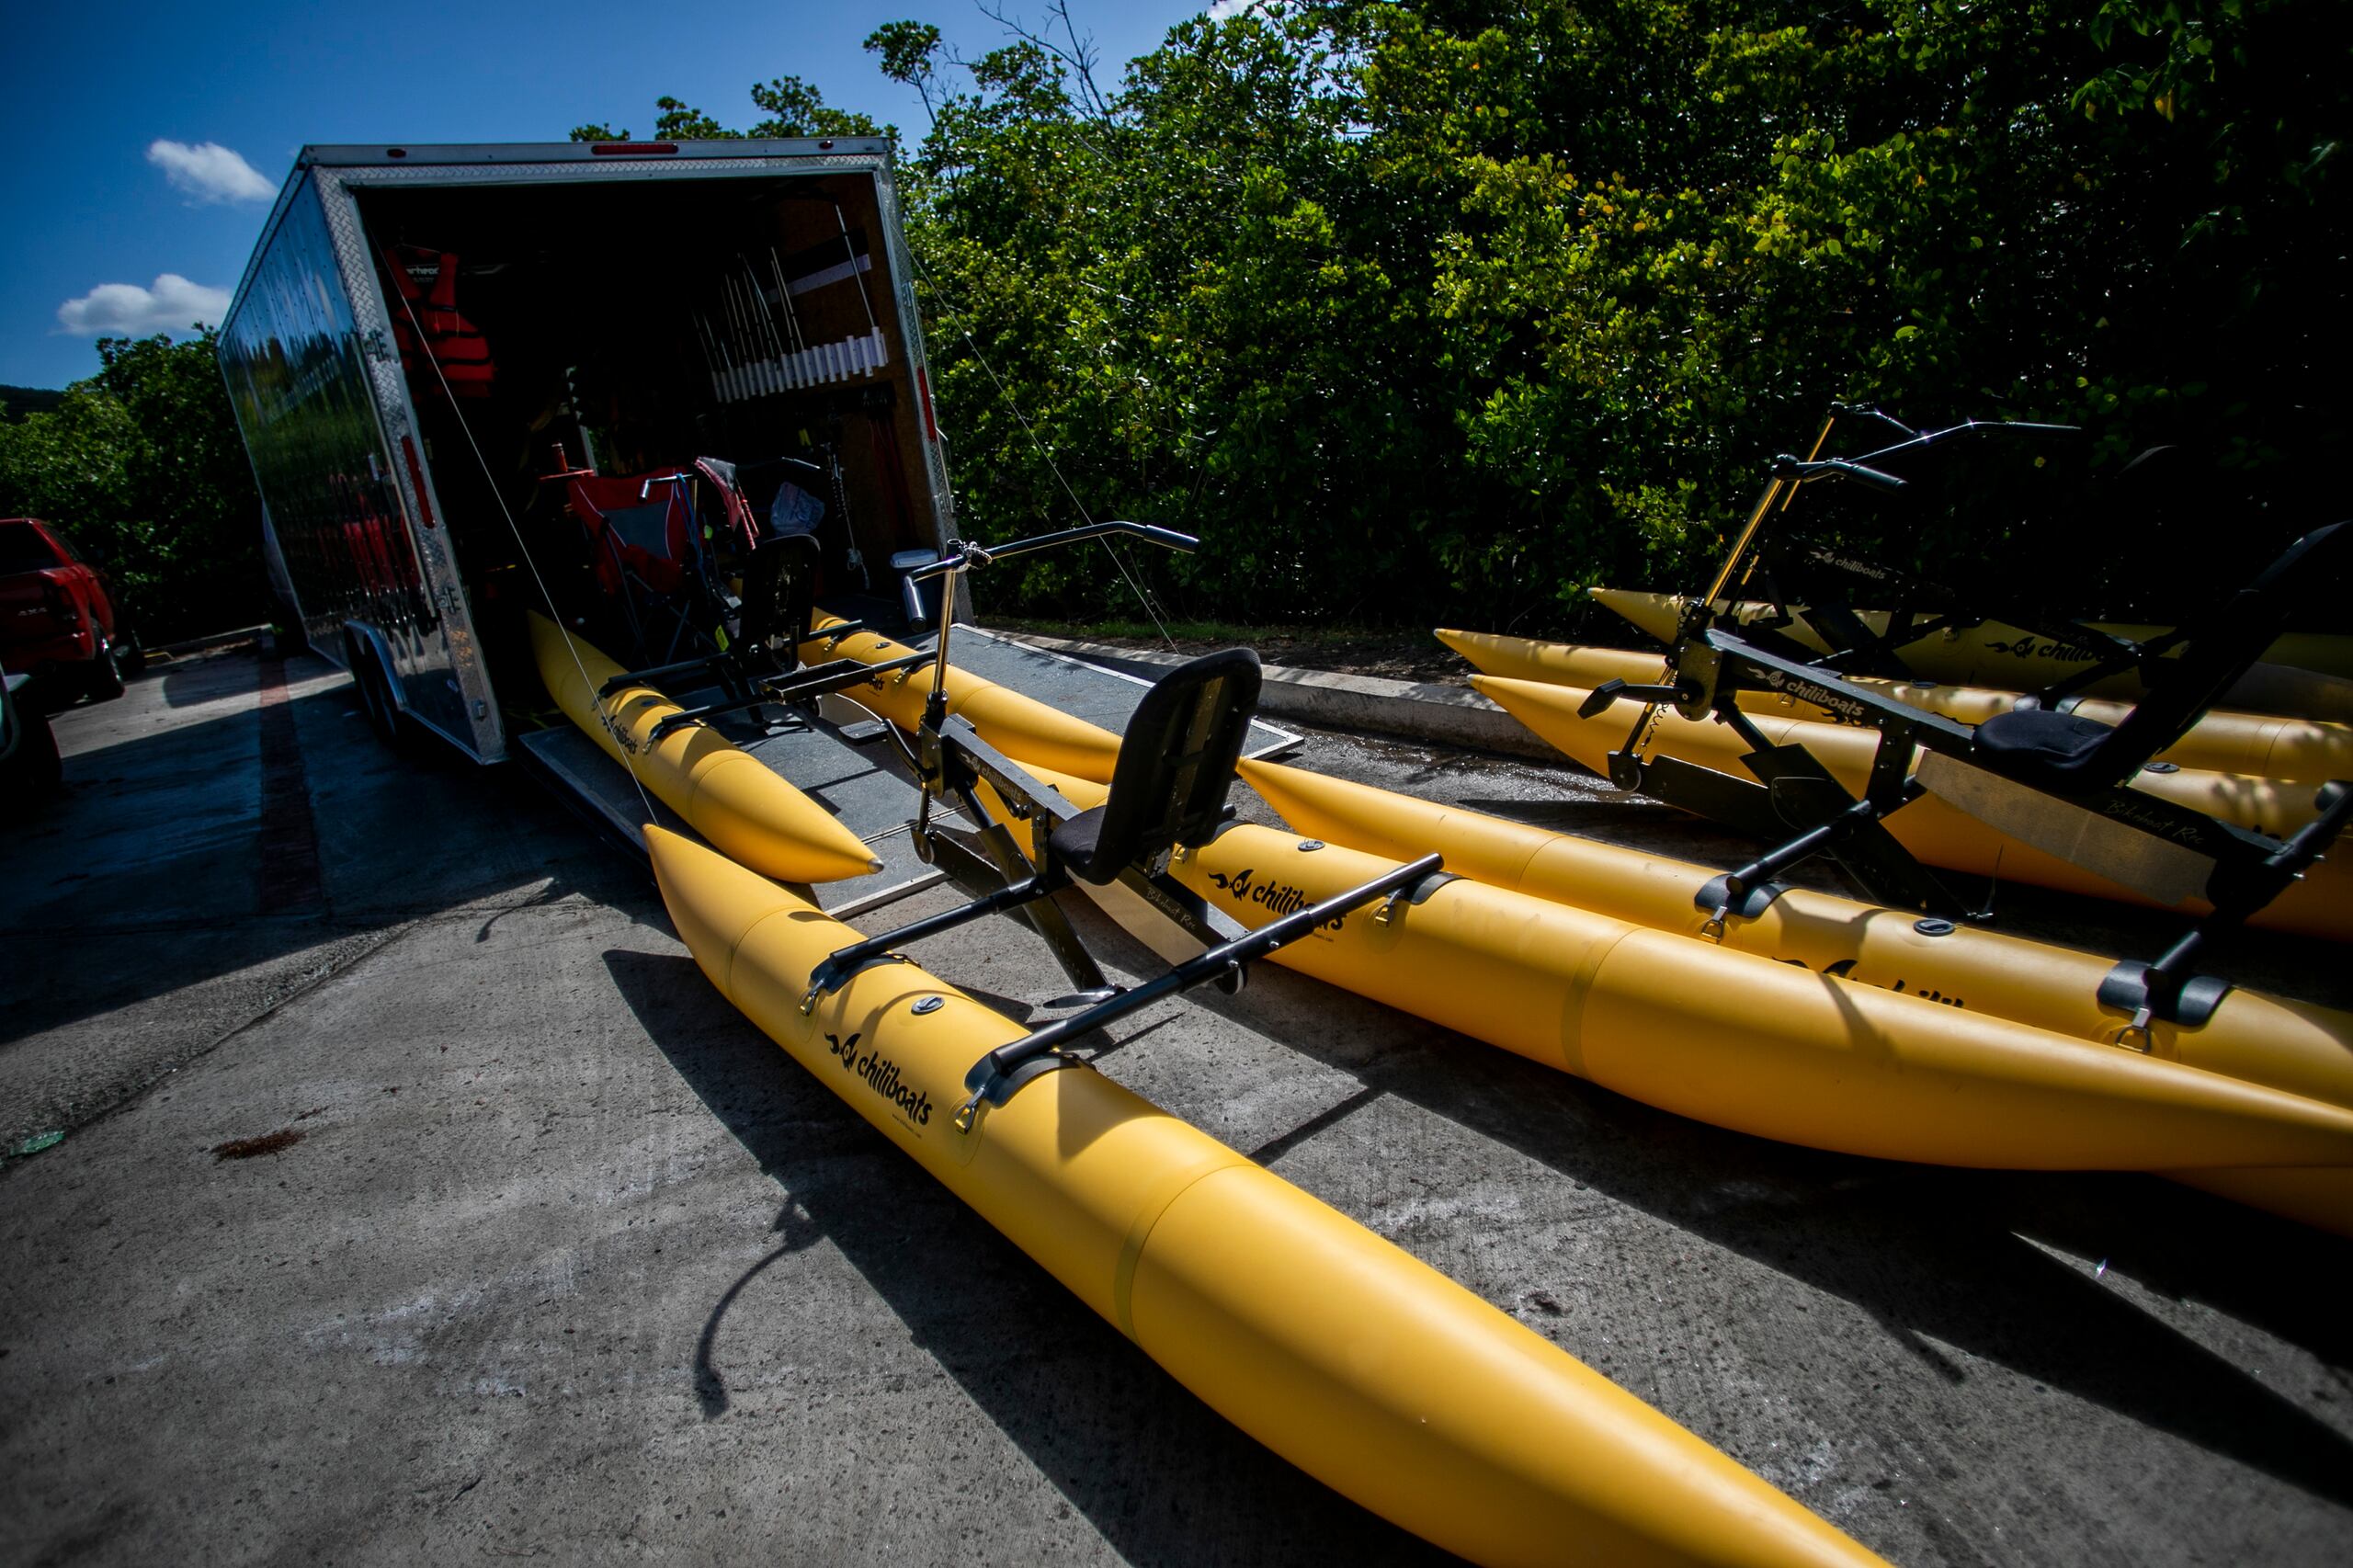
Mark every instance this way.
x=57 y=619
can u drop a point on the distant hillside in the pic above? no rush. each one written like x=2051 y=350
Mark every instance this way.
x=21 y=401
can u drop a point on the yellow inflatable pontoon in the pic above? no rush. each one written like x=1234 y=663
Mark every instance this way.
x=2292 y=1046
x=1941 y=833
x=1362 y=1366
x=1991 y=653
x=1742 y=1041
x=2224 y=741
x=1016 y=725
x=730 y=796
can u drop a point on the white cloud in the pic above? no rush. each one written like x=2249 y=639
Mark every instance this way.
x=127 y=309
x=209 y=172
x=1226 y=10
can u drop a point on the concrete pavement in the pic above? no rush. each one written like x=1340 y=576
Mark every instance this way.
x=568 y=1262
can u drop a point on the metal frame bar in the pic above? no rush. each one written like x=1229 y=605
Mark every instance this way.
x=844 y=962
x=2249 y=871
x=838 y=674
x=996 y=1077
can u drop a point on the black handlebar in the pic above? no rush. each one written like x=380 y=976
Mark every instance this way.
x=966 y=554
x=1791 y=467
x=1788 y=467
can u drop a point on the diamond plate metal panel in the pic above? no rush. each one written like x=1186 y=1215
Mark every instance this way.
x=447 y=685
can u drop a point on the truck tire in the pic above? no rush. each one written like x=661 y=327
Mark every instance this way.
x=33 y=772
x=105 y=676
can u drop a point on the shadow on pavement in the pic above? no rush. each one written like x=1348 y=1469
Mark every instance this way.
x=155 y=870
x=1935 y=1255
x=1160 y=1474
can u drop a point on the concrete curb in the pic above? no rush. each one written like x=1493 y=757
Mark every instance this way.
x=1419 y=710
x=169 y=651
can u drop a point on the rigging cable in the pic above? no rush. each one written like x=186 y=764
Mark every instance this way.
x=1014 y=408
x=627 y=746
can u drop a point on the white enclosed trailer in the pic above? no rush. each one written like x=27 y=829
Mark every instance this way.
x=424 y=333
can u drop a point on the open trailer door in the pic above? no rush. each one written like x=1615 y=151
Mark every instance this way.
x=433 y=346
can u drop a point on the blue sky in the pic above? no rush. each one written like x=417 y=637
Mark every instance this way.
x=101 y=217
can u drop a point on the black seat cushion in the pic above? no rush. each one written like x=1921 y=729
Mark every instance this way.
x=2039 y=743
x=1074 y=840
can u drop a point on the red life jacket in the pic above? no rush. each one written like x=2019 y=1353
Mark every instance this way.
x=456 y=344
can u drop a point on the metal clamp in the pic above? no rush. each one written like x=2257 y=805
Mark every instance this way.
x=2135 y=988
x=833 y=974
x=1719 y=901
x=834 y=636
x=1411 y=893
x=994 y=1086
x=665 y=727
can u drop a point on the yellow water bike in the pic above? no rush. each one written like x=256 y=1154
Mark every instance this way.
x=2056 y=781
x=1021 y=841
x=1342 y=1353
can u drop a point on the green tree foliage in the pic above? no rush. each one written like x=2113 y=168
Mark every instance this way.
x=1181 y=301
x=1455 y=307
x=16 y=402
x=793 y=109
x=142 y=463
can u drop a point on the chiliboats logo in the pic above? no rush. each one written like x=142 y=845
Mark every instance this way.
x=1276 y=898
x=1840 y=704
x=2028 y=647
x=881 y=1076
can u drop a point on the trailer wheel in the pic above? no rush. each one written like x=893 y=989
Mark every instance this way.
x=375 y=690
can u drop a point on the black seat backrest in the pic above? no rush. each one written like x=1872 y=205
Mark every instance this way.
x=1176 y=762
x=2226 y=645
x=780 y=592
x=2074 y=753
